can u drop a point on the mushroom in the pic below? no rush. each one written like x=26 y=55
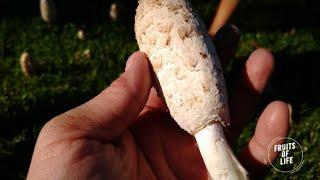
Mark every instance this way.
x=80 y=34
x=48 y=10
x=25 y=64
x=114 y=11
x=189 y=72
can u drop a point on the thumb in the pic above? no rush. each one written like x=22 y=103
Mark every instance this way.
x=111 y=112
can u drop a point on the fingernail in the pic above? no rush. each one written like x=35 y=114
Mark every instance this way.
x=131 y=60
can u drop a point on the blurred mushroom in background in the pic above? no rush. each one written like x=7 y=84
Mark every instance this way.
x=48 y=10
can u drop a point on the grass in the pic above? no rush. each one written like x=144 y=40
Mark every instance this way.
x=63 y=79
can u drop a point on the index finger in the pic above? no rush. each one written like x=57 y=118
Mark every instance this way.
x=273 y=123
x=246 y=95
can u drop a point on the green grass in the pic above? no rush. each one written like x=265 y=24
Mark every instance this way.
x=60 y=81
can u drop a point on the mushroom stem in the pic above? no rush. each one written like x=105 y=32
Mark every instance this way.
x=219 y=159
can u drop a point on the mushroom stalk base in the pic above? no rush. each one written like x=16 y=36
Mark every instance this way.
x=219 y=159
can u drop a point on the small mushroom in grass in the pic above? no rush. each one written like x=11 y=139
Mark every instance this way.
x=80 y=34
x=87 y=53
x=83 y=54
x=48 y=10
x=205 y=117
x=25 y=64
x=114 y=11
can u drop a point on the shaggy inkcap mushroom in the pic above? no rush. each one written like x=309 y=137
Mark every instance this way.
x=48 y=10
x=191 y=80
x=25 y=64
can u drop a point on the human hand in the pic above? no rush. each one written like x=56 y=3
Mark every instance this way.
x=126 y=132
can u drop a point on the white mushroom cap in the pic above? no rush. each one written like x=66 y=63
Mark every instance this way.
x=185 y=62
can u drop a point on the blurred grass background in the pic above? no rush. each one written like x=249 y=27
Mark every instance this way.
x=63 y=78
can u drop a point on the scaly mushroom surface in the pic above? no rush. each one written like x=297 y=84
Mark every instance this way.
x=191 y=79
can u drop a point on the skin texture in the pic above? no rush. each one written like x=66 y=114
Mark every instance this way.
x=125 y=132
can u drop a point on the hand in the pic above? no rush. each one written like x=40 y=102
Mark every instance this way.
x=125 y=132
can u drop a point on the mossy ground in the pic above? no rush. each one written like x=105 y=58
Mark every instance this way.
x=62 y=78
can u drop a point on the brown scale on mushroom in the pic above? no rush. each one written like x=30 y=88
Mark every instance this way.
x=185 y=31
x=179 y=73
x=204 y=55
x=165 y=28
x=173 y=6
x=163 y=40
x=205 y=86
x=192 y=62
x=157 y=64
